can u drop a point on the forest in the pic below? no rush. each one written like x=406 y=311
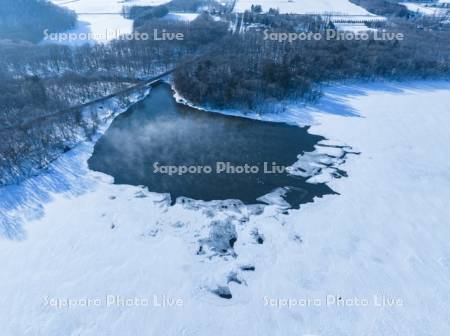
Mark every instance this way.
x=246 y=71
x=384 y=8
x=40 y=83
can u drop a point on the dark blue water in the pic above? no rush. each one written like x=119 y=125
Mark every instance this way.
x=160 y=131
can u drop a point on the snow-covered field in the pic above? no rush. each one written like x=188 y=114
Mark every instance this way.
x=385 y=236
x=182 y=16
x=303 y=6
x=428 y=9
x=355 y=28
x=103 y=28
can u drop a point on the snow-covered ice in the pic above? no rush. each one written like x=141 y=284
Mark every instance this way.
x=385 y=235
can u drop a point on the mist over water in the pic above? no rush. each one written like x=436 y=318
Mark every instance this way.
x=159 y=130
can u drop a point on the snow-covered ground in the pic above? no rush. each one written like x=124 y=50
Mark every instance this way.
x=428 y=9
x=303 y=6
x=102 y=27
x=355 y=28
x=385 y=235
x=182 y=16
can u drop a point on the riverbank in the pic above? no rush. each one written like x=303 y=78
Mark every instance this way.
x=24 y=200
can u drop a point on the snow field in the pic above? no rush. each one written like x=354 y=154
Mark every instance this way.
x=384 y=235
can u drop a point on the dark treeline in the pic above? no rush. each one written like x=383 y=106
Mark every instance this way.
x=32 y=129
x=27 y=149
x=120 y=58
x=28 y=19
x=384 y=7
x=143 y=13
x=247 y=71
x=28 y=98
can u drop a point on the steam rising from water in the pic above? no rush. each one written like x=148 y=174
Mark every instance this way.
x=163 y=131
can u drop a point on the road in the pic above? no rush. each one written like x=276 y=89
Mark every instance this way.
x=144 y=83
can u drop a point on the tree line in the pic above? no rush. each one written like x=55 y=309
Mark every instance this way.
x=247 y=71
